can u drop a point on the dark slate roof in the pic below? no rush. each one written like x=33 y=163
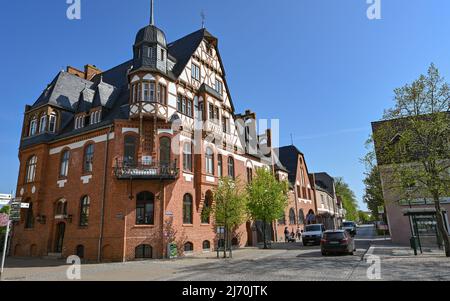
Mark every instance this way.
x=64 y=91
x=151 y=34
x=325 y=182
x=182 y=49
x=109 y=89
x=288 y=157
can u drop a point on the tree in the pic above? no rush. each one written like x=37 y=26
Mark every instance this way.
x=373 y=195
x=414 y=142
x=349 y=201
x=4 y=210
x=228 y=208
x=267 y=199
x=363 y=217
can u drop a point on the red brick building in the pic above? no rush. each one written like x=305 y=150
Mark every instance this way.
x=115 y=163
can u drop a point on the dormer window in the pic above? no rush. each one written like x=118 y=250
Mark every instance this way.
x=162 y=54
x=52 y=123
x=96 y=117
x=33 y=126
x=79 y=122
x=43 y=124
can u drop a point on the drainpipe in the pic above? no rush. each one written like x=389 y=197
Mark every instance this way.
x=102 y=209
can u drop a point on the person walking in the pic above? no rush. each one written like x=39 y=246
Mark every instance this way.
x=299 y=233
x=286 y=234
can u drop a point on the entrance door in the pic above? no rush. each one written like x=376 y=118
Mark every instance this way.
x=60 y=229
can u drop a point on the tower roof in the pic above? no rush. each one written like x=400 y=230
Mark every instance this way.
x=151 y=34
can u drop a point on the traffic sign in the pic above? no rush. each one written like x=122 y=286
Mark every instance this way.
x=14 y=213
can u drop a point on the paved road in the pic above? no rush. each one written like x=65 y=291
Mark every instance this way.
x=290 y=262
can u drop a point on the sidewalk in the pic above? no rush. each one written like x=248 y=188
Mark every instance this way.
x=385 y=248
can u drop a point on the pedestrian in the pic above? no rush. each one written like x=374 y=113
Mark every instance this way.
x=286 y=234
x=293 y=235
x=299 y=233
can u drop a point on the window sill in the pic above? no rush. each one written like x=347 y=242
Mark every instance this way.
x=143 y=226
x=188 y=225
x=205 y=225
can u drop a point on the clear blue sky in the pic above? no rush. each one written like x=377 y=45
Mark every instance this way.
x=320 y=66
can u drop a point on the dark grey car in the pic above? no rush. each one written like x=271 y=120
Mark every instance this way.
x=337 y=241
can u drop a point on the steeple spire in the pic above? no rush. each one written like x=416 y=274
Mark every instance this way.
x=152 y=19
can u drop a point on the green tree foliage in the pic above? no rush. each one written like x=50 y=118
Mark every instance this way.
x=363 y=217
x=4 y=209
x=349 y=201
x=373 y=195
x=229 y=208
x=414 y=142
x=267 y=198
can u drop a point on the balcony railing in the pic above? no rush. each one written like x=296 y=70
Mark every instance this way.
x=125 y=170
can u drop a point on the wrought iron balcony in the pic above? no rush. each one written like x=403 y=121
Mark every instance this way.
x=125 y=170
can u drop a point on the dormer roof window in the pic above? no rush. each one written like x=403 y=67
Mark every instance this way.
x=33 y=126
x=80 y=122
x=96 y=117
x=43 y=123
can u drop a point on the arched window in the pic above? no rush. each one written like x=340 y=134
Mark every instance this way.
x=291 y=217
x=207 y=207
x=88 y=158
x=52 y=123
x=231 y=167
x=130 y=150
x=29 y=217
x=79 y=251
x=187 y=209
x=61 y=207
x=187 y=157
x=164 y=151
x=188 y=247
x=206 y=245
x=33 y=126
x=220 y=166
x=301 y=217
x=43 y=124
x=249 y=174
x=143 y=252
x=84 y=211
x=31 y=169
x=64 y=166
x=145 y=208
x=209 y=155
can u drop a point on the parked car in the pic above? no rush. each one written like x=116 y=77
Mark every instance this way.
x=350 y=227
x=337 y=241
x=313 y=234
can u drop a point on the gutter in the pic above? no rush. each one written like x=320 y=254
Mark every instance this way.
x=102 y=210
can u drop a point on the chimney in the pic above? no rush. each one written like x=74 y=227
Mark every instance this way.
x=90 y=71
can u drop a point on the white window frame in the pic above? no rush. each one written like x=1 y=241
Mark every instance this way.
x=33 y=127
x=43 y=124
x=52 y=120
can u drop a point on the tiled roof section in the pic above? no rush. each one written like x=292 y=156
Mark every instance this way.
x=325 y=181
x=85 y=100
x=184 y=48
x=104 y=95
x=64 y=91
x=288 y=156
